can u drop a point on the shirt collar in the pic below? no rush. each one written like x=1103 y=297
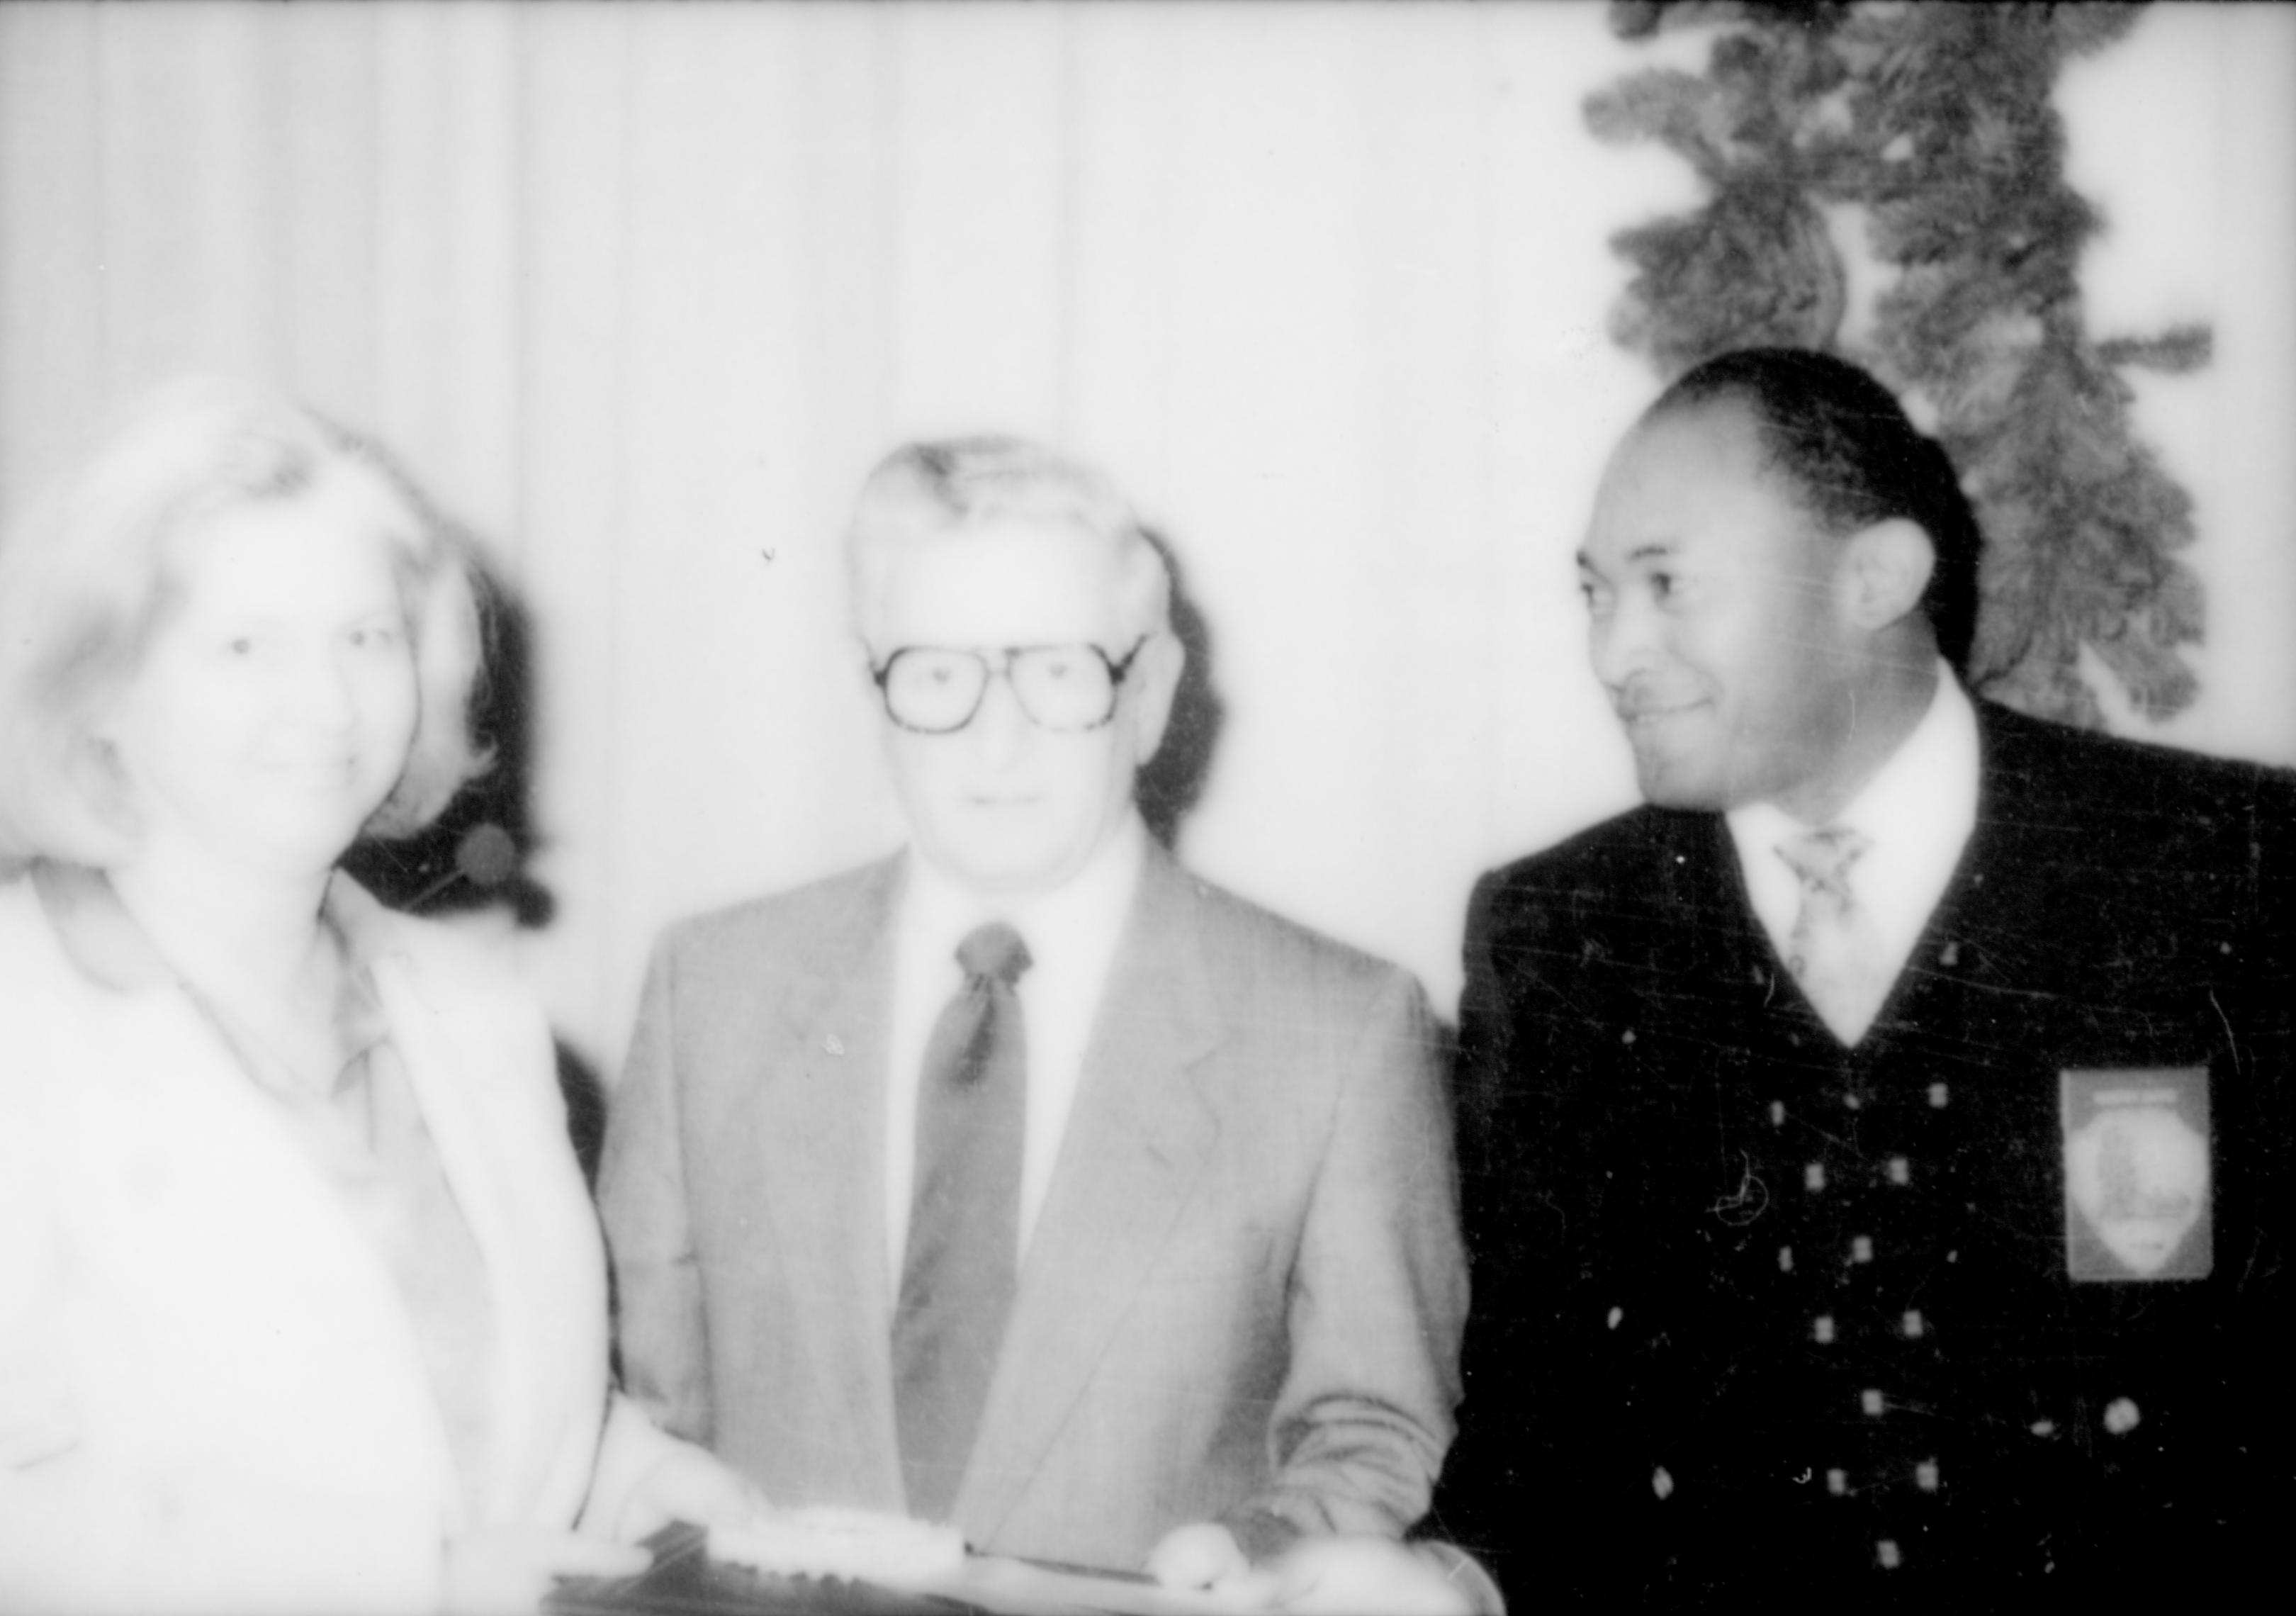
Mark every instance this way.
x=1926 y=791
x=97 y=932
x=112 y=949
x=1056 y=925
x=1918 y=810
x=1941 y=749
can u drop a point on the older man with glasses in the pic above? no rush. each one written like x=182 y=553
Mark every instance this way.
x=1022 y=1180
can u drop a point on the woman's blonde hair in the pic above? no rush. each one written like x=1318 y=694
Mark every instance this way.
x=93 y=569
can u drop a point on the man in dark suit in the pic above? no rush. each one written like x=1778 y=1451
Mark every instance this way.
x=1875 y=1148
x=1022 y=1179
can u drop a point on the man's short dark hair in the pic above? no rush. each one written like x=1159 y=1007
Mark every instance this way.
x=1845 y=444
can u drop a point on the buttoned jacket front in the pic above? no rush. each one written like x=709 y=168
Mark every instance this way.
x=1756 y=1312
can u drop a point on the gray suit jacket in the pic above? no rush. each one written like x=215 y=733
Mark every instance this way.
x=1244 y=1291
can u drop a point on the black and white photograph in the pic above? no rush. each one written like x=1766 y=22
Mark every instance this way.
x=1438 y=807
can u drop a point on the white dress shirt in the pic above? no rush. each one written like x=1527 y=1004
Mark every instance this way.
x=1917 y=811
x=1072 y=934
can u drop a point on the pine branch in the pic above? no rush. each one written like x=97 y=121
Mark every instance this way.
x=1936 y=123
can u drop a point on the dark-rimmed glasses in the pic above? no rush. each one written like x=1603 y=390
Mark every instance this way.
x=935 y=690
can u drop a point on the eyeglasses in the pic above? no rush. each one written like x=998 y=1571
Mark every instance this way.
x=936 y=690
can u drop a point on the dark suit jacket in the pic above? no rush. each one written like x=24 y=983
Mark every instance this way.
x=1709 y=1242
x=1243 y=1292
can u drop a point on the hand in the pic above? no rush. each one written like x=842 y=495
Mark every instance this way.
x=687 y=1484
x=502 y=1569
x=1201 y=1556
x=1337 y=1576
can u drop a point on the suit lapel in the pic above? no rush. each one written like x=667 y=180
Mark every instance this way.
x=1724 y=940
x=1724 y=945
x=467 y=1158
x=452 y=1051
x=1982 y=932
x=820 y=1084
x=1136 y=1143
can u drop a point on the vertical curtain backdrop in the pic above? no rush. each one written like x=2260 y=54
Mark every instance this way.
x=640 y=292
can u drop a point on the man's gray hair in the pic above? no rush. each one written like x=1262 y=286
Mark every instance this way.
x=923 y=491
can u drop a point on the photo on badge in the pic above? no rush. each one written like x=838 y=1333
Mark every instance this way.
x=2137 y=1174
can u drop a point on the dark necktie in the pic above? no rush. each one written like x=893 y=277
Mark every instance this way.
x=962 y=1265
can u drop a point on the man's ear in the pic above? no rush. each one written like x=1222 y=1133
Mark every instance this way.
x=1151 y=682
x=1887 y=567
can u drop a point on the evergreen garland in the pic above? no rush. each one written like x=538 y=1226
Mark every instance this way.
x=1932 y=125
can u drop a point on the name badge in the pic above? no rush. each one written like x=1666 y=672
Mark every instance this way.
x=2137 y=1174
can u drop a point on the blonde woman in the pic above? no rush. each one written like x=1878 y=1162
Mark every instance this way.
x=302 y=1303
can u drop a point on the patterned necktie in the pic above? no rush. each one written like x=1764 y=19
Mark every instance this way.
x=1833 y=952
x=962 y=1265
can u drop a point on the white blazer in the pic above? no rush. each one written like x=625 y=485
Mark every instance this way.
x=210 y=1395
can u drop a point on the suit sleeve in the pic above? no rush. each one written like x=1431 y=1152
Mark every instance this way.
x=1378 y=1295
x=642 y=1197
x=1516 y=1053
